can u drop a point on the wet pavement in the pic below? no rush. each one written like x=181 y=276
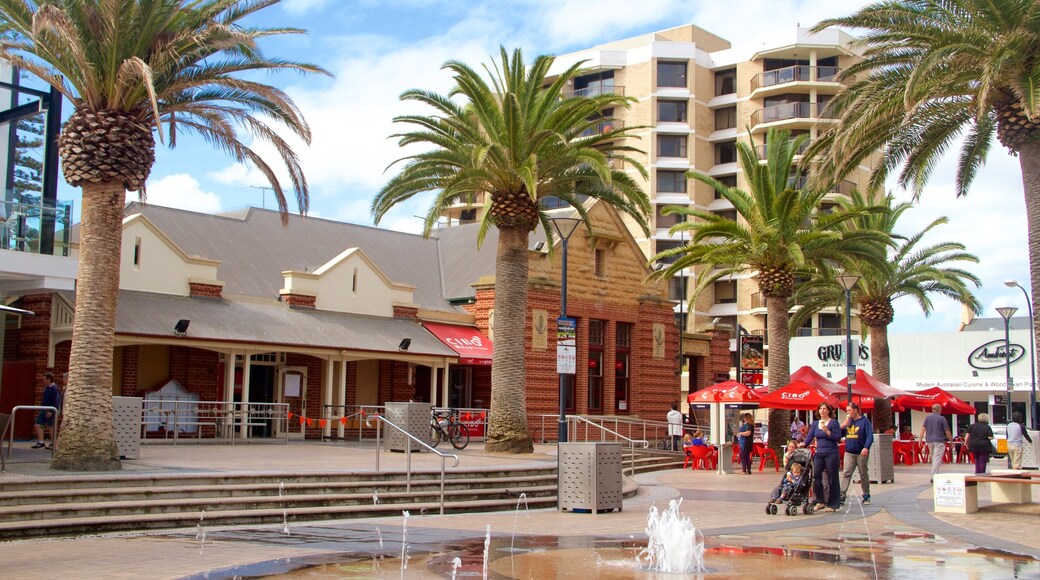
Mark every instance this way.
x=895 y=537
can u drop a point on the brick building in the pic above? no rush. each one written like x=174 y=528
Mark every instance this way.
x=325 y=317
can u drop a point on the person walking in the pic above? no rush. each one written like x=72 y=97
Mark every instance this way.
x=859 y=437
x=746 y=440
x=934 y=433
x=826 y=433
x=1016 y=437
x=45 y=419
x=979 y=440
x=675 y=427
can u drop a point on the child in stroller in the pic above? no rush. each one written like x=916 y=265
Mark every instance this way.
x=795 y=487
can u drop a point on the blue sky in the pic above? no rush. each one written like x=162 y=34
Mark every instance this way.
x=378 y=48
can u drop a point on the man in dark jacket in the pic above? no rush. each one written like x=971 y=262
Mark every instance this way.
x=45 y=419
x=859 y=436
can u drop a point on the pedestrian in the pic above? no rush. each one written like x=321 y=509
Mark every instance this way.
x=1016 y=433
x=675 y=428
x=859 y=436
x=979 y=440
x=746 y=440
x=797 y=429
x=826 y=433
x=45 y=419
x=935 y=432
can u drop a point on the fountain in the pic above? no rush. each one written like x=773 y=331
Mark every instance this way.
x=673 y=545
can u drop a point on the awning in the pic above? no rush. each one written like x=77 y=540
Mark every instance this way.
x=472 y=346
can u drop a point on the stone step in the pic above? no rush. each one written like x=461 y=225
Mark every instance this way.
x=197 y=504
x=173 y=489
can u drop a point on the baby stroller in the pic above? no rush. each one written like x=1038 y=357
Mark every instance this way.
x=800 y=494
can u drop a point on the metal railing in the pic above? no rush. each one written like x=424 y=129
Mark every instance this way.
x=596 y=90
x=797 y=73
x=9 y=428
x=228 y=420
x=786 y=111
x=22 y=222
x=408 y=453
x=577 y=419
x=349 y=417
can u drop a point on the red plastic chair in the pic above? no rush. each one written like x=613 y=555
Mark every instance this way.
x=965 y=455
x=903 y=452
x=698 y=455
x=765 y=454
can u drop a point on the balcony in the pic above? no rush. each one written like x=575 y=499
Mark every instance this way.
x=25 y=225
x=795 y=74
x=605 y=126
x=763 y=150
x=789 y=111
x=596 y=90
x=820 y=332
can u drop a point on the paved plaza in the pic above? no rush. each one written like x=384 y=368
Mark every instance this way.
x=896 y=533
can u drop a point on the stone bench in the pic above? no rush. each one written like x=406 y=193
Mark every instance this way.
x=959 y=493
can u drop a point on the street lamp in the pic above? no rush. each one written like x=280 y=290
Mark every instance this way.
x=564 y=228
x=848 y=281
x=1007 y=312
x=1032 y=349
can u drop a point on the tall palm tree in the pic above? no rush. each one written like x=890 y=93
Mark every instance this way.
x=783 y=237
x=512 y=143
x=933 y=71
x=130 y=67
x=917 y=272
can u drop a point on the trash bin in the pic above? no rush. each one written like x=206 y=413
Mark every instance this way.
x=726 y=458
x=126 y=421
x=589 y=477
x=413 y=418
x=880 y=467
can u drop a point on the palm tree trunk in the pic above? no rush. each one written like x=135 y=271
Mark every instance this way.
x=87 y=439
x=1029 y=161
x=779 y=367
x=508 y=418
x=880 y=367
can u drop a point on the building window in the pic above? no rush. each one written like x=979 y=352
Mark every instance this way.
x=726 y=292
x=671 y=111
x=671 y=74
x=730 y=214
x=622 y=368
x=597 y=340
x=725 y=118
x=671 y=145
x=677 y=288
x=354 y=282
x=665 y=245
x=594 y=84
x=601 y=264
x=671 y=181
x=726 y=82
x=568 y=392
x=728 y=181
x=666 y=221
x=137 y=253
x=726 y=152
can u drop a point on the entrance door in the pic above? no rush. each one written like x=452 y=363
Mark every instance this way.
x=292 y=390
x=460 y=381
x=261 y=390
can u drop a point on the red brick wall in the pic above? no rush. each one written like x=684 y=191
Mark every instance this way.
x=313 y=392
x=410 y=312
x=299 y=300
x=34 y=336
x=197 y=370
x=129 y=378
x=205 y=290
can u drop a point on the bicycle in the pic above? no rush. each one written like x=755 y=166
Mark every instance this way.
x=445 y=426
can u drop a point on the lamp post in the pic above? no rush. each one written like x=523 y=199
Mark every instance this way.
x=848 y=281
x=564 y=228
x=1032 y=355
x=1007 y=312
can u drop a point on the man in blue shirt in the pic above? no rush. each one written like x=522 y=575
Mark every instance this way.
x=51 y=398
x=859 y=436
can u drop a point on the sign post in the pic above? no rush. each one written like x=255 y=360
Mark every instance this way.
x=566 y=363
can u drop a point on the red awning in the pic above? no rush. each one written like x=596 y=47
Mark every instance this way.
x=473 y=347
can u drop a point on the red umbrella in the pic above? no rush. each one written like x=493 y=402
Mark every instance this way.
x=798 y=395
x=810 y=377
x=724 y=392
x=868 y=386
x=923 y=401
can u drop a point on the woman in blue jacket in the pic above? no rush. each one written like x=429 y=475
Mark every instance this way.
x=826 y=433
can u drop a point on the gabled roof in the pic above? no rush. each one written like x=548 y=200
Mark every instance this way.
x=254 y=250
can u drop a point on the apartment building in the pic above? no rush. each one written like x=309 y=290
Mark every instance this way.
x=697 y=95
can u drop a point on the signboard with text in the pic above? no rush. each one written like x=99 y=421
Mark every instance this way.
x=566 y=346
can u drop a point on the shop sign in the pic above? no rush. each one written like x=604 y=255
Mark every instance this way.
x=992 y=355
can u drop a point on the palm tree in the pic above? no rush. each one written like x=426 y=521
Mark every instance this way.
x=918 y=272
x=932 y=72
x=783 y=237
x=128 y=68
x=513 y=143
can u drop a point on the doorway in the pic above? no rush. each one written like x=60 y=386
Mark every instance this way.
x=460 y=381
x=261 y=390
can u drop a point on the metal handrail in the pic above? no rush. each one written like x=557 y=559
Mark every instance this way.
x=631 y=442
x=10 y=427
x=408 y=453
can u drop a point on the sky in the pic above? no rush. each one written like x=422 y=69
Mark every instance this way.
x=376 y=49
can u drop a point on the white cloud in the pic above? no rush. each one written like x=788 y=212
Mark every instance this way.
x=181 y=191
